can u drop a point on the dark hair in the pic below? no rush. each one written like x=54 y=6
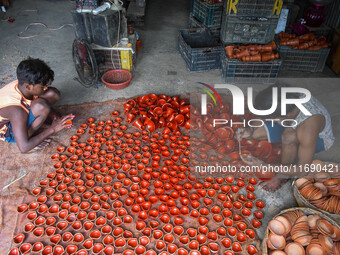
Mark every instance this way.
x=34 y=71
x=264 y=100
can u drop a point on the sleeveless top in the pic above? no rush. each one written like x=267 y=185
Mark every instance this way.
x=316 y=108
x=10 y=95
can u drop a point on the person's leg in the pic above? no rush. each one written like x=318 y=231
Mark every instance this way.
x=289 y=145
x=10 y=136
x=31 y=119
x=41 y=111
x=51 y=96
x=288 y=139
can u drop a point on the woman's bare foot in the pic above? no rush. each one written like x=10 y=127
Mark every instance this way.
x=273 y=185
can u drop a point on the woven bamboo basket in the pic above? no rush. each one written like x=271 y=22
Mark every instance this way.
x=305 y=210
x=304 y=203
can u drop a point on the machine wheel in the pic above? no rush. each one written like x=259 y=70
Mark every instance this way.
x=85 y=63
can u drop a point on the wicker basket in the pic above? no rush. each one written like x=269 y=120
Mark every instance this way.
x=305 y=210
x=304 y=203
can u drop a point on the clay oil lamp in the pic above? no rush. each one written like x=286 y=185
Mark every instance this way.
x=58 y=250
x=71 y=249
x=25 y=248
x=40 y=221
x=108 y=250
x=67 y=237
x=95 y=234
x=119 y=243
x=97 y=248
x=22 y=208
x=88 y=244
x=50 y=231
x=47 y=250
x=19 y=238
x=14 y=251
x=55 y=239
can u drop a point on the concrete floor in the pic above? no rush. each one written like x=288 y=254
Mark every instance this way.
x=159 y=68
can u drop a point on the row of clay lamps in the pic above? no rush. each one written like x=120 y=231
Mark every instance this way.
x=113 y=190
x=296 y=233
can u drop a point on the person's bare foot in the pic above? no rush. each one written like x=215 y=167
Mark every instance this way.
x=273 y=185
x=41 y=146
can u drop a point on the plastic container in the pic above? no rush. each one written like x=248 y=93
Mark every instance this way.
x=303 y=60
x=208 y=13
x=315 y=16
x=248 y=29
x=117 y=79
x=214 y=29
x=239 y=72
x=253 y=8
x=199 y=49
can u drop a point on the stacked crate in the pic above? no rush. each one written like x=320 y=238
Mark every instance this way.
x=214 y=29
x=303 y=60
x=249 y=22
x=199 y=49
x=208 y=14
x=199 y=45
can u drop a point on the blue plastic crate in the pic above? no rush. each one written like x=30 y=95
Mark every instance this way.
x=215 y=29
x=199 y=49
x=208 y=13
x=303 y=60
x=248 y=29
x=253 y=8
x=239 y=72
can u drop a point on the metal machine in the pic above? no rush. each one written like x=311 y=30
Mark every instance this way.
x=101 y=42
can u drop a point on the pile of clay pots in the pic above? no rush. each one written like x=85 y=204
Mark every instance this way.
x=302 y=232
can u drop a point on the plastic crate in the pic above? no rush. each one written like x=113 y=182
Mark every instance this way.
x=303 y=60
x=238 y=72
x=208 y=13
x=248 y=29
x=253 y=8
x=195 y=23
x=199 y=49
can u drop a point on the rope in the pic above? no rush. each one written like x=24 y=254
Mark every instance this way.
x=40 y=24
